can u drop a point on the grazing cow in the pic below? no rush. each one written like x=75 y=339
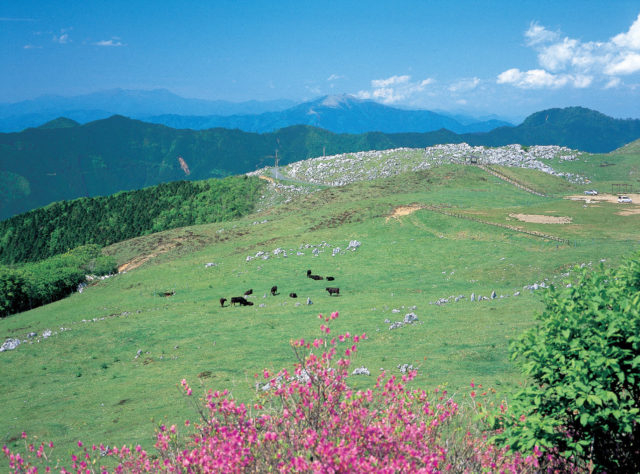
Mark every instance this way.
x=308 y=273
x=248 y=292
x=316 y=277
x=241 y=300
x=333 y=291
x=222 y=301
x=293 y=295
x=168 y=293
x=330 y=278
x=274 y=290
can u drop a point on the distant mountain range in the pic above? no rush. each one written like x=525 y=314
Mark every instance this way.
x=338 y=114
x=131 y=103
x=65 y=160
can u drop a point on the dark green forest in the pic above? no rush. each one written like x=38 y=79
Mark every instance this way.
x=62 y=226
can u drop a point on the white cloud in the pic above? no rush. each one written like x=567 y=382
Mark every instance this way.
x=613 y=82
x=393 y=80
x=62 y=39
x=31 y=46
x=624 y=64
x=111 y=42
x=334 y=77
x=539 y=34
x=630 y=39
x=556 y=56
x=574 y=63
x=394 y=89
x=464 y=85
x=541 y=79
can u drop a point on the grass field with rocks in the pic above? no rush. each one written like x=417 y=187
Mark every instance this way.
x=109 y=370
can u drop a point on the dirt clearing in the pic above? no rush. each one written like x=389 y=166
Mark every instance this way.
x=404 y=211
x=541 y=219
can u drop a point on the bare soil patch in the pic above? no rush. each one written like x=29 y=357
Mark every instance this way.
x=404 y=211
x=541 y=219
x=630 y=211
x=142 y=259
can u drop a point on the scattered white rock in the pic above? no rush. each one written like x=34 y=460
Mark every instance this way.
x=361 y=371
x=354 y=244
x=404 y=368
x=10 y=344
x=410 y=318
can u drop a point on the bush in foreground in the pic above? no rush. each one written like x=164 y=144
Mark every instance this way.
x=309 y=420
x=584 y=359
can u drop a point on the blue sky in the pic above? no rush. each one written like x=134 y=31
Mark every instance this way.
x=504 y=57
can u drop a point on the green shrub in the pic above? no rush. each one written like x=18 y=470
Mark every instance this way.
x=13 y=295
x=584 y=362
x=35 y=284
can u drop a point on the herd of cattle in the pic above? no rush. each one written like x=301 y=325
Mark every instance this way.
x=242 y=301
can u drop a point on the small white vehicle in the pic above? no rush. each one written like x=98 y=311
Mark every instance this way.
x=591 y=192
x=624 y=199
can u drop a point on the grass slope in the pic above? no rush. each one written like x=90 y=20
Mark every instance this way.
x=86 y=382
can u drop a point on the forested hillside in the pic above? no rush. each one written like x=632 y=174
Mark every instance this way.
x=64 y=225
x=64 y=160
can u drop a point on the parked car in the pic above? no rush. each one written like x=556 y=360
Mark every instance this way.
x=591 y=192
x=624 y=199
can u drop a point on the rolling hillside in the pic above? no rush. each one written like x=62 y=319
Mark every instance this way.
x=421 y=242
x=64 y=160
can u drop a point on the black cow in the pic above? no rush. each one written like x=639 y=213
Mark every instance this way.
x=241 y=300
x=308 y=273
x=274 y=290
x=293 y=295
x=316 y=277
x=330 y=278
x=222 y=301
x=333 y=291
x=248 y=292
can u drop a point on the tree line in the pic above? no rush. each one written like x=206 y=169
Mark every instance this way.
x=65 y=225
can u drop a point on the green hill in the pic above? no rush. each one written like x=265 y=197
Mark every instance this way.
x=422 y=241
x=573 y=127
x=64 y=225
x=65 y=161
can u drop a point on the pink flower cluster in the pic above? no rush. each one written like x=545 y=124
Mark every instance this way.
x=311 y=421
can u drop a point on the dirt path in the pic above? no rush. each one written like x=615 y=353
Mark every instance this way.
x=142 y=259
x=404 y=211
x=541 y=219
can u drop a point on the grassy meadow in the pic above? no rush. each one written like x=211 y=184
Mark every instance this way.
x=85 y=382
